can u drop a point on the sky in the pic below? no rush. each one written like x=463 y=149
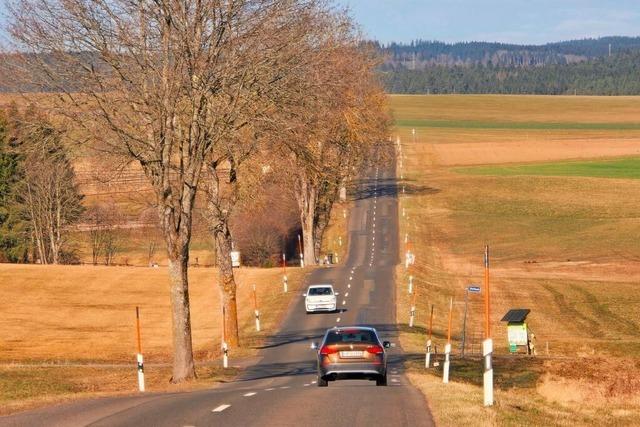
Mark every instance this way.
x=508 y=21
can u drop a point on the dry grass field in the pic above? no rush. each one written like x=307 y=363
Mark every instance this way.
x=86 y=315
x=563 y=245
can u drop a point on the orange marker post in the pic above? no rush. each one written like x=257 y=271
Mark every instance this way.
x=487 y=344
x=139 y=357
x=487 y=295
x=447 y=348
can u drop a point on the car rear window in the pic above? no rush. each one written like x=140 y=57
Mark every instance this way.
x=319 y=291
x=351 y=336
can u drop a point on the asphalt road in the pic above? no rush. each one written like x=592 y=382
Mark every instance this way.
x=280 y=390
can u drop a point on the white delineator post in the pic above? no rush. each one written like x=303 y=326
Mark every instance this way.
x=139 y=357
x=140 y=372
x=255 y=308
x=225 y=348
x=225 y=355
x=447 y=363
x=447 y=348
x=412 y=315
x=427 y=360
x=487 y=344
x=487 y=351
x=284 y=273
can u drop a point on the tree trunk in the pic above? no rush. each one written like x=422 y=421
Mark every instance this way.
x=183 y=367
x=227 y=283
x=308 y=243
x=307 y=196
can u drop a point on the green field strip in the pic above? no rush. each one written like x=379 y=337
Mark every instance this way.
x=627 y=168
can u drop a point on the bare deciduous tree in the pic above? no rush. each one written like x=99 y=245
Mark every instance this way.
x=339 y=122
x=157 y=82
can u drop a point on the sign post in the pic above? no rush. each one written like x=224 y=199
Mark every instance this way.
x=473 y=289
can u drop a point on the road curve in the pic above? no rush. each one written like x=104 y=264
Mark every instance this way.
x=280 y=390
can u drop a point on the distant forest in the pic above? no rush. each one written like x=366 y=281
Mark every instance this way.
x=606 y=66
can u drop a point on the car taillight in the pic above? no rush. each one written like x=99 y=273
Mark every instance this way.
x=328 y=350
x=375 y=349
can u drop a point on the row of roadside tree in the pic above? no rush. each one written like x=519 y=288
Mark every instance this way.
x=200 y=95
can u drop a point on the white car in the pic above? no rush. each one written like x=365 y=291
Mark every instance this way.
x=320 y=298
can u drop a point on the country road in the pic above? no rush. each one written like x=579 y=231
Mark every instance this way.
x=280 y=390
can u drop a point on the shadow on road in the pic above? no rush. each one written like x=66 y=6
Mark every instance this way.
x=365 y=188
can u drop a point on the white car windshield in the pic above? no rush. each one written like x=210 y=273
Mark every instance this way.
x=320 y=291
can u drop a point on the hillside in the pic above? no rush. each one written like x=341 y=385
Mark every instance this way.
x=582 y=67
x=421 y=54
x=615 y=75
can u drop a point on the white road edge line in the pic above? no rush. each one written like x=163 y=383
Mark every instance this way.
x=220 y=408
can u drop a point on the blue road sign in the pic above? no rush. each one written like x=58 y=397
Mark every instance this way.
x=474 y=289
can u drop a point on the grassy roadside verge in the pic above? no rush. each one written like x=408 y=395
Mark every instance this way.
x=69 y=331
x=560 y=239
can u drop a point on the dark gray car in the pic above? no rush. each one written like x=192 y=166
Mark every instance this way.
x=352 y=352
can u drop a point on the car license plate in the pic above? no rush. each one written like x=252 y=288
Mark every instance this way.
x=350 y=354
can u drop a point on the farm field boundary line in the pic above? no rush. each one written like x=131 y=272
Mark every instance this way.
x=478 y=124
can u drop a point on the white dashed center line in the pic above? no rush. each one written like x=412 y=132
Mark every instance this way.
x=220 y=408
x=253 y=393
x=269 y=389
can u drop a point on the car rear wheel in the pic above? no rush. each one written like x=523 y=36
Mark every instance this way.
x=322 y=382
x=381 y=380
